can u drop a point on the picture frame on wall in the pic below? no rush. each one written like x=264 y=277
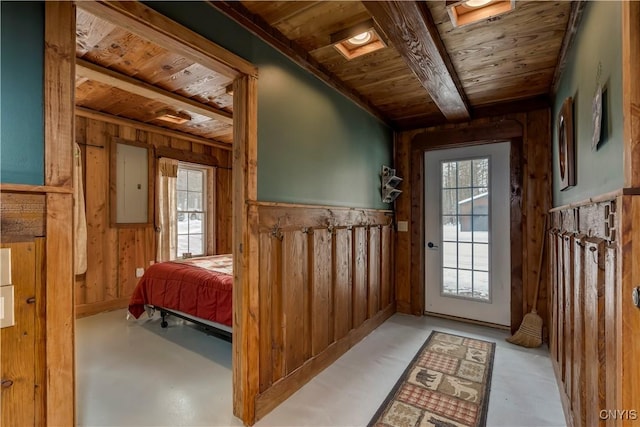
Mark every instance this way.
x=566 y=145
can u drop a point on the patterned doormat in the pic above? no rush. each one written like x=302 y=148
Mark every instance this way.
x=446 y=385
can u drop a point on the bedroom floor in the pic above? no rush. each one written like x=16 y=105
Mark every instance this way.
x=133 y=373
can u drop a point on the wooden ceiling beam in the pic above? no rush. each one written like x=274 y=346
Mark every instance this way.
x=109 y=77
x=410 y=27
x=276 y=39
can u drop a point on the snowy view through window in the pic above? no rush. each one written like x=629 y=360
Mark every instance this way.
x=465 y=228
x=190 y=194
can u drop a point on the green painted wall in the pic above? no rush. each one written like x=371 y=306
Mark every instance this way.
x=598 y=43
x=21 y=86
x=314 y=145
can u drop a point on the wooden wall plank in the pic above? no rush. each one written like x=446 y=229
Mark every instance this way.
x=223 y=211
x=126 y=264
x=386 y=288
x=567 y=315
x=611 y=327
x=360 y=292
x=567 y=282
x=594 y=275
x=343 y=277
x=97 y=208
x=402 y=244
x=577 y=397
x=274 y=259
x=19 y=341
x=373 y=291
x=321 y=302
x=562 y=302
x=294 y=279
x=268 y=279
x=553 y=279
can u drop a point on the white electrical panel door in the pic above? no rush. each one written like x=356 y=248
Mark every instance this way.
x=132 y=184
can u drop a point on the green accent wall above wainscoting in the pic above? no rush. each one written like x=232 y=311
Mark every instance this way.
x=22 y=89
x=595 y=57
x=315 y=146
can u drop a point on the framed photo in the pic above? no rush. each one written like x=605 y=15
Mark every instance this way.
x=566 y=147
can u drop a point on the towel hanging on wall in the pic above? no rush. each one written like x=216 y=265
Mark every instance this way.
x=79 y=215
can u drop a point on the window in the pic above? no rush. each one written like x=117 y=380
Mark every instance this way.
x=191 y=210
x=465 y=228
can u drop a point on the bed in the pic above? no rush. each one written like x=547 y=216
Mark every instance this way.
x=195 y=289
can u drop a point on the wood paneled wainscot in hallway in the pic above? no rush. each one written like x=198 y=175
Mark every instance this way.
x=584 y=332
x=325 y=283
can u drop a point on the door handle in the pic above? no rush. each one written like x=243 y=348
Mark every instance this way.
x=430 y=245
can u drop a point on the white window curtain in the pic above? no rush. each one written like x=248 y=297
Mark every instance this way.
x=167 y=236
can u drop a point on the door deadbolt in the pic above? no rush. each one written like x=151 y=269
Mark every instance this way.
x=636 y=296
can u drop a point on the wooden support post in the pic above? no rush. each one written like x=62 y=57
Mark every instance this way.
x=59 y=322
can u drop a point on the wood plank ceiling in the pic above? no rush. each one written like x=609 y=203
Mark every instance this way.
x=494 y=63
x=430 y=72
x=124 y=75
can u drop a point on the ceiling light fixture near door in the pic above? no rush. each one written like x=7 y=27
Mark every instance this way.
x=464 y=12
x=357 y=40
x=176 y=117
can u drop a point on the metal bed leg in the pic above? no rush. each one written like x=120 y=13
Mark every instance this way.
x=163 y=315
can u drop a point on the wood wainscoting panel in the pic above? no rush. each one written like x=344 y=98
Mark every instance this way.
x=321 y=287
x=584 y=333
x=628 y=345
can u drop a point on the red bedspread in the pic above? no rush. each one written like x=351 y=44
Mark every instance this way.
x=179 y=286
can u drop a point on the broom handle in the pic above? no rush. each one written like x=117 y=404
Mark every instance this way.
x=544 y=239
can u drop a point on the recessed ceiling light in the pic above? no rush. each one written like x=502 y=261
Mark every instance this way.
x=357 y=40
x=477 y=3
x=360 y=39
x=170 y=116
x=463 y=12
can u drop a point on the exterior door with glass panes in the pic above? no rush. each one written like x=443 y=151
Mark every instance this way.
x=191 y=212
x=467 y=233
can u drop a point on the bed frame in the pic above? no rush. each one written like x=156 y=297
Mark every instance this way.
x=208 y=328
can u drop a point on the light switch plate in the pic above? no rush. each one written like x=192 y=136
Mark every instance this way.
x=6 y=296
x=5 y=266
x=139 y=271
x=403 y=225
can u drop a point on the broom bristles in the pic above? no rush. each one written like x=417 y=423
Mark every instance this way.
x=530 y=332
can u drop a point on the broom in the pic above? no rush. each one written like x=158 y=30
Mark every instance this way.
x=530 y=332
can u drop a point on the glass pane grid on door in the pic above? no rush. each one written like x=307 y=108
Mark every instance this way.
x=465 y=228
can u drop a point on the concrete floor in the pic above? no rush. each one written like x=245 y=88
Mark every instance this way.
x=133 y=373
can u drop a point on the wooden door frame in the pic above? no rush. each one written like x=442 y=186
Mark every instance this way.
x=503 y=131
x=59 y=112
